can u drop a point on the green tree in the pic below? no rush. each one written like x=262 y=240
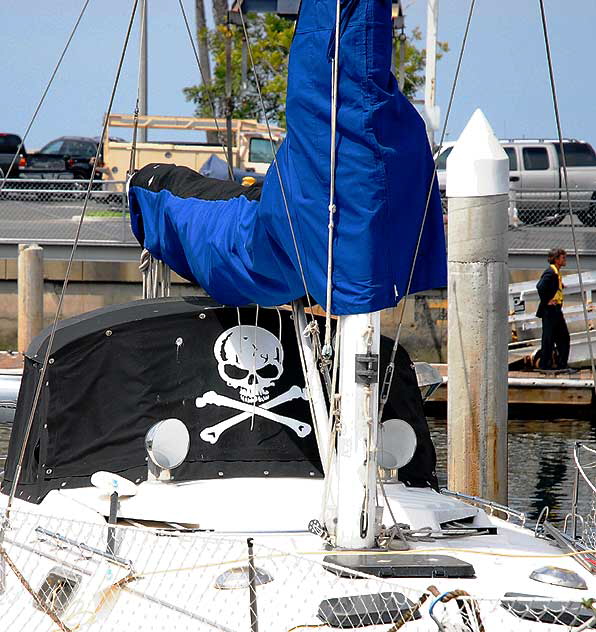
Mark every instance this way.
x=415 y=62
x=270 y=38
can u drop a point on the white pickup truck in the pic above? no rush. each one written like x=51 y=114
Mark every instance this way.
x=536 y=179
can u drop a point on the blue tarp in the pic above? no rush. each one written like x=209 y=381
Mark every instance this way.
x=244 y=251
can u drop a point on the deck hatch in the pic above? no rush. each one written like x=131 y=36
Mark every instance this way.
x=544 y=610
x=401 y=565
x=358 y=611
x=58 y=589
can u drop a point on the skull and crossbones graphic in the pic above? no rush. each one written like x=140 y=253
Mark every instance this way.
x=250 y=360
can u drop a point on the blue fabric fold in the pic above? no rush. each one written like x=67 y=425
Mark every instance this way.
x=244 y=251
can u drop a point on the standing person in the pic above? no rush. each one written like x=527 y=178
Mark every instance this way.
x=554 y=328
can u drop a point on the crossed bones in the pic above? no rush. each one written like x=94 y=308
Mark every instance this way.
x=212 y=434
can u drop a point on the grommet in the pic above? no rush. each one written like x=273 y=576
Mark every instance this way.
x=202 y=316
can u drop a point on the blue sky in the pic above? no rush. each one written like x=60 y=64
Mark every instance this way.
x=504 y=69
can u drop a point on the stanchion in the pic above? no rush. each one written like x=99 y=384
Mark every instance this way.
x=252 y=589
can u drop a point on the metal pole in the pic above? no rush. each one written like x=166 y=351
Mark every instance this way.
x=2 y=562
x=402 y=60
x=143 y=71
x=399 y=25
x=431 y=111
x=229 y=107
x=112 y=520
x=477 y=188
x=30 y=294
x=574 y=496
x=252 y=588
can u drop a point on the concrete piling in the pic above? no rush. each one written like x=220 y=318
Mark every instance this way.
x=30 y=294
x=477 y=189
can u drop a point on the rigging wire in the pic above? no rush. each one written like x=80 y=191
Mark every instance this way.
x=45 y=92
x=135 y=126
x=313 y=324
x=273 y=151
x=565 y=179
x=390 y=370
x=42 y=375
x=208 y=90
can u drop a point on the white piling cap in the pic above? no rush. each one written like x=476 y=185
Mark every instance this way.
x=477 y=165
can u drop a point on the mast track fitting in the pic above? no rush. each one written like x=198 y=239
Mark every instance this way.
x=367 y=368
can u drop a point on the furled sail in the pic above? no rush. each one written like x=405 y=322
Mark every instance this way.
x=239 y=243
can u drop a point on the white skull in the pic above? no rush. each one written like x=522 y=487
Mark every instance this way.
x=249 y=359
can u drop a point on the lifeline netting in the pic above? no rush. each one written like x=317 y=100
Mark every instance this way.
x=58 y=576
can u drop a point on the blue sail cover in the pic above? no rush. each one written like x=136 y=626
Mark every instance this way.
x=241 y=249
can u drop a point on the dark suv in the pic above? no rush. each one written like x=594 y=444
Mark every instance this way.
x=78 y=153
x=9 y=145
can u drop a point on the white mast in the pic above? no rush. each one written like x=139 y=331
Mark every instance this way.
x=357 y=439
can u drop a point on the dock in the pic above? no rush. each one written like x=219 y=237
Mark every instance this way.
x=536 y=388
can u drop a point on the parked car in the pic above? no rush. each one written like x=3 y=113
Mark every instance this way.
x=78 y=153
x=537 y=181
x=9 y=145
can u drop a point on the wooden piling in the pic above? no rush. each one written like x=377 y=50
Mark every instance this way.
x=30 y=294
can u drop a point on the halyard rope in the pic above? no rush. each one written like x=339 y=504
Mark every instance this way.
x=327 y=349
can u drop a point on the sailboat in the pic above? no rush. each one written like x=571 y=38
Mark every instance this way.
x=178 y=464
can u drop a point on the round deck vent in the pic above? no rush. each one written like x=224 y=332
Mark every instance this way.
x=238 y=577
x=167 y=443
x=397 y=443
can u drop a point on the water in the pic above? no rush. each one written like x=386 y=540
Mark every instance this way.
x=541 y=468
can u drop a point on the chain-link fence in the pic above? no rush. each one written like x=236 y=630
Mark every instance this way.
x=540 y=219
x=548 y=207
x=50 y=209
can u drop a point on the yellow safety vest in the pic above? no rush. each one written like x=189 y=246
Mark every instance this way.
x=558 y=297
